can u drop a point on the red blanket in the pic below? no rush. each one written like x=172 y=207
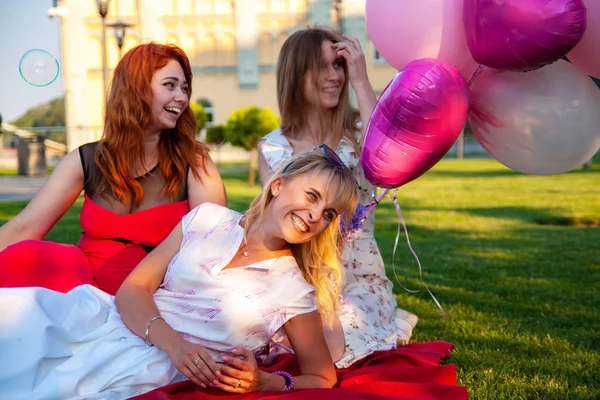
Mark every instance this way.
x=409 y=372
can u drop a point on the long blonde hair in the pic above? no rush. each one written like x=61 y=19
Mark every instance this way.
x=300 y=53
x=319 y=258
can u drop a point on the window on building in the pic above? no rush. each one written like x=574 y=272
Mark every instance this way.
x=207 y=49
x=226 y=50
x=186 y=7
x=191 y=45
x=172 y=39
x=126 y=7
x=94 y=58
x=297 y=6
x=206 y=7
x=208 y=109
x=264 y=6
x=223 y=7
x=267 y=53
x=278 y=6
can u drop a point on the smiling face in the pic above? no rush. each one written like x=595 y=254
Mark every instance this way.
x=170 y=96
x=302 y=206
x=323 y=86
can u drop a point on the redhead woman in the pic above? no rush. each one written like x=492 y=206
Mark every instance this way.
x=140 y=179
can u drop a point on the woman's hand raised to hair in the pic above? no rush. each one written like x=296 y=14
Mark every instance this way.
x=351 y=51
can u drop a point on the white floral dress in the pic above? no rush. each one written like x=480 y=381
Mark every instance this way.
x=368 y=313
x=75 y=345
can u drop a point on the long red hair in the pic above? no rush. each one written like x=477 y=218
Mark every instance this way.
x=129 y=110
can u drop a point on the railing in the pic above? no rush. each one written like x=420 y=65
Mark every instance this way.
x=467 y=147
x=33 y=132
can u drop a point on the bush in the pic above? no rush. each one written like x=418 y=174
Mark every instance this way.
x=245 y=127
x=215 y=134
x=201 y=116
x=248 y=124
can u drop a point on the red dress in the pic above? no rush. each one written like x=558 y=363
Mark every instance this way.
x=406 y=373
x=98 y=258
x=115 y=238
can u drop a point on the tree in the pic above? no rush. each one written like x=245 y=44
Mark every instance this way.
x=51 y=113
x=201 y=116
x=245 y=127
x=215 y=134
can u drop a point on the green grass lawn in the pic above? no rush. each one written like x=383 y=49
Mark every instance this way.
x=515 y=261
x=13 y=171
x=8 y=171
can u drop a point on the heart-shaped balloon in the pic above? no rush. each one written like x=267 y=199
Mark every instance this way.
x=586 y=55
x=416 y=120
x=522 y=35
x=406 y=30
x=543 y=122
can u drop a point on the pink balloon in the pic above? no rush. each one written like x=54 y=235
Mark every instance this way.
x=407 y=30
x=522 y=35
x=543 y=122
x=586 y=55
x=416 y=120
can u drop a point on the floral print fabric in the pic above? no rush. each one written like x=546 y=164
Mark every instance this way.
x=368 y=313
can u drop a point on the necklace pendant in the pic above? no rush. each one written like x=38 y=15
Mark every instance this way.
x=245 y=254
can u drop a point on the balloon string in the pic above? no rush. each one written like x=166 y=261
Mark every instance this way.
x=360 y=215
x=477 y=72
x=381 y=196
x=396 y=247
x=401 y=217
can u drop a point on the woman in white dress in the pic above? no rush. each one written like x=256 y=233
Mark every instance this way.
x=314 y=69
x=200 y=305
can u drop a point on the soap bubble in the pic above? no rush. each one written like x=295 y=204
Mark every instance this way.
x=38 y=67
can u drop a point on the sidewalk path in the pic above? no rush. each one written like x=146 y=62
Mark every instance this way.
x=19 y=187
x=24 y=188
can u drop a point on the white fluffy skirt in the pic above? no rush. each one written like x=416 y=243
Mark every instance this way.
x=73 y=346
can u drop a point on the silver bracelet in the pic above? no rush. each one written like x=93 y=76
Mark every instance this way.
x=148 y=329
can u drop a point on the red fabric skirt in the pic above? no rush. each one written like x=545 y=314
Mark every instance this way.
x=409 y=372
x=97 y=259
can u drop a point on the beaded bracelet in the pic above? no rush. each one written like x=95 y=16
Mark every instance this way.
x=289 y=380
x=148 y=329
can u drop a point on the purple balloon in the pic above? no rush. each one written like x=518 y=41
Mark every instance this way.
x=416 y=120
x=522 y=35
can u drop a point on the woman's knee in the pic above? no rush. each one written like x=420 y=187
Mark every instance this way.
x=41 y=263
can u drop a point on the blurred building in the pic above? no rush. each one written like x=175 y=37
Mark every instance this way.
x=232 y=45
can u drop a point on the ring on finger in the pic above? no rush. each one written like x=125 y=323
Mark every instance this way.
x=239 y=383
x=196 y=361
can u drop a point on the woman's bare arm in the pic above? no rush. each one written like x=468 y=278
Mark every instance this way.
x=208 y=190
x=49 y=204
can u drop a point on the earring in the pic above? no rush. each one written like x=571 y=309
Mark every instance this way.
x=275 y=192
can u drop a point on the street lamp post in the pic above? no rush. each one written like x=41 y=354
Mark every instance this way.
x=337 y=7
x=103 y=10
x=120 y=27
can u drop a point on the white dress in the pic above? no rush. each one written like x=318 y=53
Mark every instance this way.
x=75 y=345
x=368 y=313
